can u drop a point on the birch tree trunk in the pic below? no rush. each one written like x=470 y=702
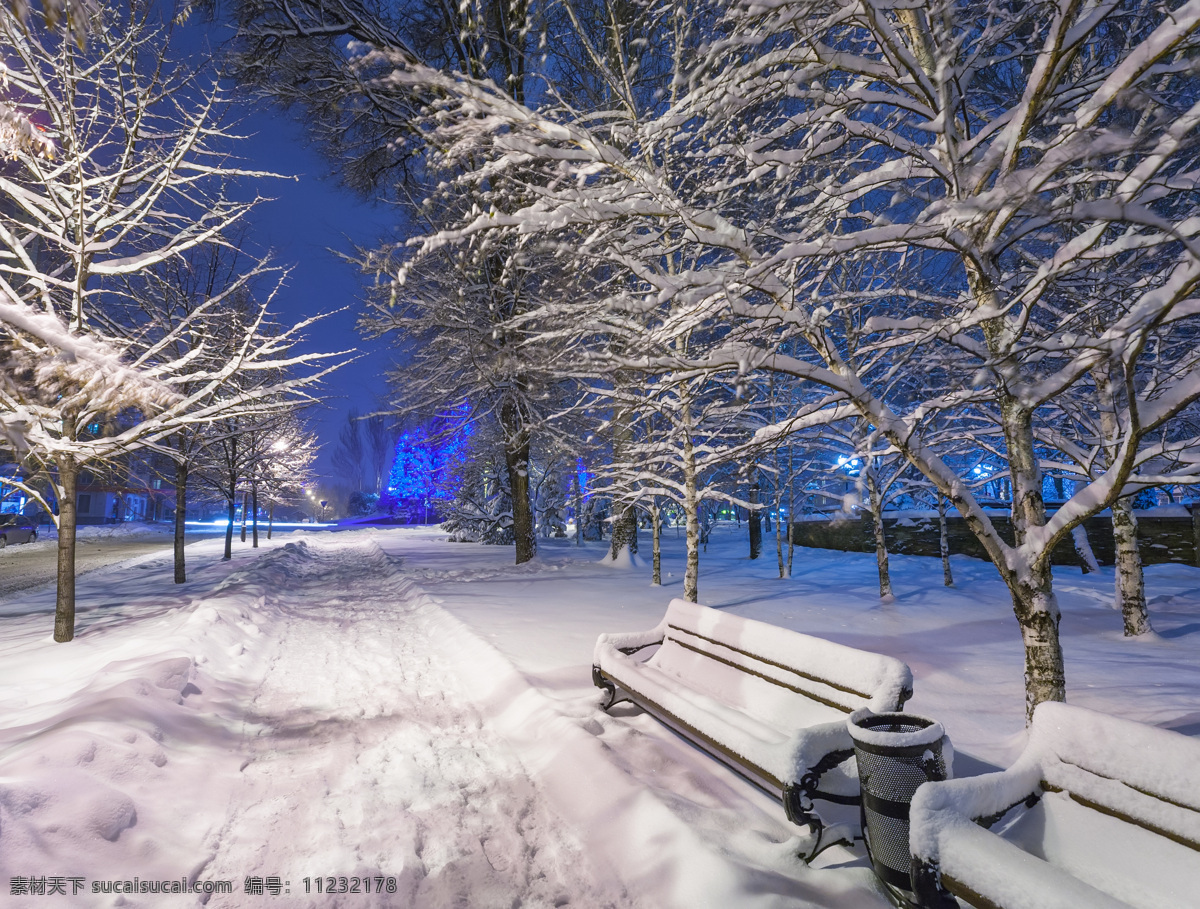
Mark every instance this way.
x=181 y=483
x=656 y=525
x=270 y=519
x=1030 y=582
x=254 y=510
x=691 y=504
x=755 y=517
x=881 y=553
x=1028 y=576
x=245 y=502
x=791 y=517
x=1129 y=582
x=944 y=541
x=64 y=604
x=624 y=519
x=1083 y=548
x=1037 y=612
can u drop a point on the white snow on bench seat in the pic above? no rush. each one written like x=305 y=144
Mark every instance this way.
x=1119 y=812
x=772 y=699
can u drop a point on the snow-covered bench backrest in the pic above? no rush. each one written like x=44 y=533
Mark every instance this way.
x=1137 y=773
x=840 y=676
x=1111 y=807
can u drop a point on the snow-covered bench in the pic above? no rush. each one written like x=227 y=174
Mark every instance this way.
x=1097 y=812
x=769 y=702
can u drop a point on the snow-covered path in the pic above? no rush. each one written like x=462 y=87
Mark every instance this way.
x=300 y=712
x=369 y=761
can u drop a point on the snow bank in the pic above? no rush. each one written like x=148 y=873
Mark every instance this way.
x=110 y=531
x=107 y=755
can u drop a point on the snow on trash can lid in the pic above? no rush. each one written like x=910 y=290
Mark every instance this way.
x=893 y=730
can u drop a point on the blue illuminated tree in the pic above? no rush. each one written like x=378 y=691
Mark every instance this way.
x=429 y=462
x=411 y=479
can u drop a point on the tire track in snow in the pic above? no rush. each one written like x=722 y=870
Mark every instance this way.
x=371 y=761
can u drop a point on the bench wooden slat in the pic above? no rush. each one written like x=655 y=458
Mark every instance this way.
x=1122 y=816
x=737 y=762
x=791 y=669
x=1144 y=791
x=967 y=895
x=774 y=681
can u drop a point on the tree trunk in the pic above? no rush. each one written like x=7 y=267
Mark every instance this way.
x=791 y=516
x=656 y=530
x=577 y=493
x=691 y=506
x=779 y=534
x=1083 y=548
x=1031 y=584
x=181 y=481
x=944 y=541
x=881 y=553
x=1037 y=612
x=245 y=501
x=755 y=517
x=624 y=523
x=254 y=511
x=232 y=503
x=1130 y=583
x=270 y=519
x=624 y=532
x=516 y=459
x=64 y=605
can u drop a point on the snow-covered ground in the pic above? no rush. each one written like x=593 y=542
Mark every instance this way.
x=417 y=717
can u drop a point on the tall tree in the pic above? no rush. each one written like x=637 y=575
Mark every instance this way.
x=942 y=189
x=347 y=457
x=137 y=178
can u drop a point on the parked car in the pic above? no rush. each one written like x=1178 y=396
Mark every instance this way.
x=16 y=528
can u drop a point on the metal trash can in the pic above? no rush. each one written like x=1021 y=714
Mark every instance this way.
x=896 y=753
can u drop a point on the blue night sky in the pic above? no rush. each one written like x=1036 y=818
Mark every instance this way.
x=308 y=221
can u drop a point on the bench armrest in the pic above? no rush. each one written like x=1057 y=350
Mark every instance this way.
x=949 y=840
x=977 y=863
x=973 y=799
x=627 y=642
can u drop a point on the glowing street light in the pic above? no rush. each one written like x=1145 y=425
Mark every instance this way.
x=850 y=465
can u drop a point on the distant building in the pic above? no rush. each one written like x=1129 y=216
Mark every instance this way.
x=133 y=490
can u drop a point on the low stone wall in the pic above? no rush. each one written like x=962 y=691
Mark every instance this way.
x=1161 y=539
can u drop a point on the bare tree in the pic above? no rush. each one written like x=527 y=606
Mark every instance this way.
x=380 y=444
x=945 y=188
x=347 y=457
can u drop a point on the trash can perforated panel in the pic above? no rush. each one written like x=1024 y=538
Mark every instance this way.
x=896 y=753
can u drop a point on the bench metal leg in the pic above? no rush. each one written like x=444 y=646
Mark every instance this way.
x=798 y=806
x=928 y=889
x=599 y=680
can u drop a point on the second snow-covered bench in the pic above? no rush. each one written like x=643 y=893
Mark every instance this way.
x=1098 y=812
x=769 y=702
